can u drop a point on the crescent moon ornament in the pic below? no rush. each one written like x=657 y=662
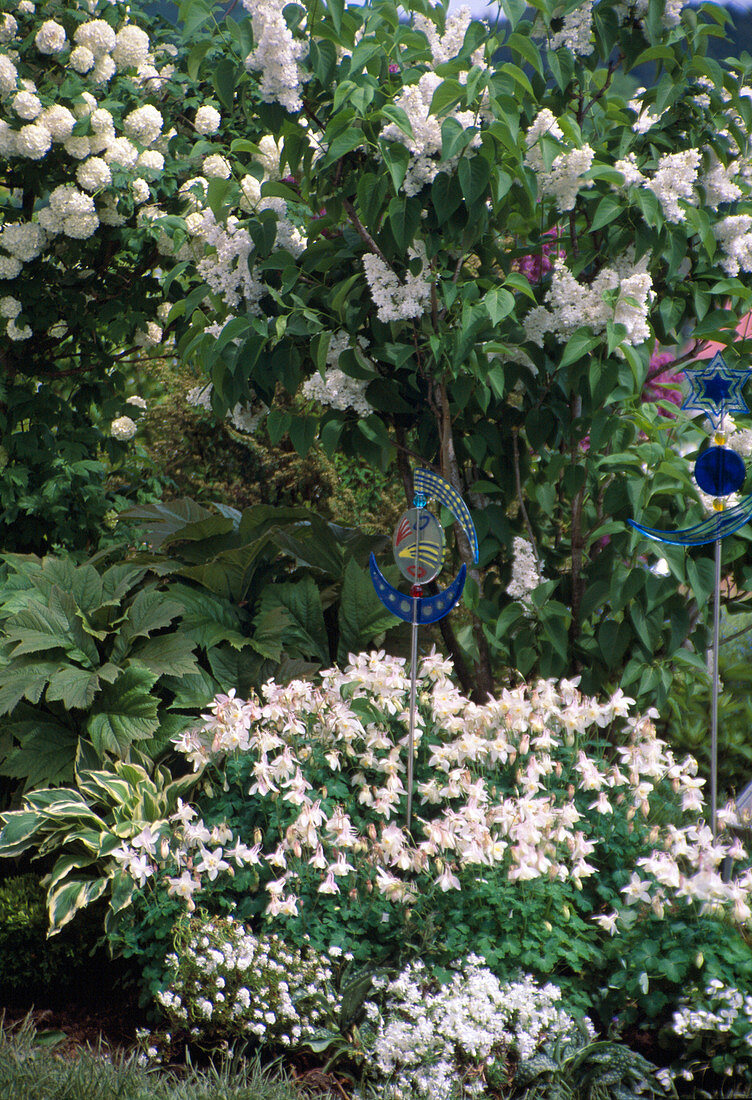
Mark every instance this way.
x=716 y=391
x=418 y=547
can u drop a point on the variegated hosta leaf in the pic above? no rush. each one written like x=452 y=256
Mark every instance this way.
x=67 y=899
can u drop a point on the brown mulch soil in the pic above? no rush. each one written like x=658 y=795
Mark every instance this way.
x=111 y=1024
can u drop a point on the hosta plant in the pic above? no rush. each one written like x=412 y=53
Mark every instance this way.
x=83 y=827
x=96 y=659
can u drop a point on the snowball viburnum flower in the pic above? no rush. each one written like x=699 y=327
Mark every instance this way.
x=50 y=38
x=208 y=120
x=123 y=428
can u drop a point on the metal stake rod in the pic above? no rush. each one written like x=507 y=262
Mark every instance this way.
x=419 y=504
x=714 y=700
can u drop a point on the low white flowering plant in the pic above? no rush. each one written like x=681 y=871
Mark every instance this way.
x=444 y=1041
x=713 y=1025
x=222 y=984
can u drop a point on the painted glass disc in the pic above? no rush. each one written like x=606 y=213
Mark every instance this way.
x=719 y=471
x=418 y=545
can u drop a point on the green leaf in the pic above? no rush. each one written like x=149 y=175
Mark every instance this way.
x=362 y=616
x=454 y=138
x=307 y=637
x=151 y=610
x=24 y=678
x=169 y=655
x=448 y=93
x=397 y=158
x=64 y=902
x=526 y=48
x=74 y=687
x=474 y=174
x=404 y=219
x=606 y=211
x=399 y=117
x=580 y=344
x=45 y=754
x=345 y=142
x=126 y=712
x=224 y=78
x=499 y=303
x=446 y=196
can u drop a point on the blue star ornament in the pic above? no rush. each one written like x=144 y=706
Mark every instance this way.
x=716 y=390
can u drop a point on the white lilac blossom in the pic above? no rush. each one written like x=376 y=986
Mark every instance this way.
x=447 y=45
x=337 y=389
x=525 y=572
x=398 y=299
x=207 y=120
x=734 y=234
x=622 y=293
x=674 y=181
x=575 y=33
x=425 y=144
x=123 y=428
x=564 y=179
x=276 y=55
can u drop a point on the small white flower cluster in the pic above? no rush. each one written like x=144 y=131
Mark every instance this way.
x=337 y=389
x=622 y=293
x=123 y=428
x=244 y=418
x=716 y=1022
x=438 y=1044
x=277 y=54
x=575 y=33
x=426 y=141
x=565 y=178
x=224 y=983
x=525 y=572
x=398 y=299
x=207 y=120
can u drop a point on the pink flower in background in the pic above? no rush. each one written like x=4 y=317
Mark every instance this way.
x=661 y=380
x=538 y=264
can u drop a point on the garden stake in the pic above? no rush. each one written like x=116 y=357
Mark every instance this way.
x=418 y=546
x=716 y=391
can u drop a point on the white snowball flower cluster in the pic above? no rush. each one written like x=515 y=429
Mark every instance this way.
x=8 y=29
x=622 y=293
x=397 y=299
x=525 y=572
x=8 y=75
x=426 y=142
x=131 y=48
x=337 y=389
x=50 y=38
x=93 y=174
x=277 y=54
x=123 y=428
x=32 y=141
x=207 y=120
x=70 y=212
x=144 y=125
x=564 y=179
x=27 y=105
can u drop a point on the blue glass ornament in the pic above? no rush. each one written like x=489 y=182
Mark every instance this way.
x=719 y=471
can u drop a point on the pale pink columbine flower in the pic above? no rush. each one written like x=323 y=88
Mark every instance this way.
x=446 y=880
x=184 y=814
x=139 y=868
x=341 y=865
x=329 y=885
x=318 y=859
x=289 y=906
x=607 y=921
x=636 y=889
x=212 y=863
x=184 y=887
x=146 y=840
x=602 y=804
x=242 y=854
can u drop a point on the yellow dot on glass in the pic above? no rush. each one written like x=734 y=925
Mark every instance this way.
x=718 y=505
x=719 y=438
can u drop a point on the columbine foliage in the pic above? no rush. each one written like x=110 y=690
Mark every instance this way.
x=472 y=256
